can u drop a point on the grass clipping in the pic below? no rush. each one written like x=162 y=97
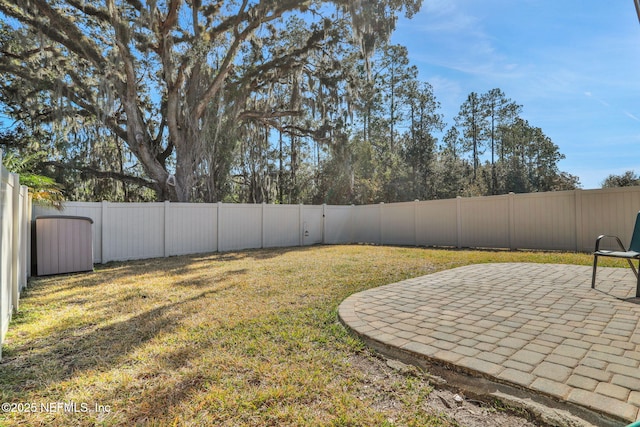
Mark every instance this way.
x=246 y=338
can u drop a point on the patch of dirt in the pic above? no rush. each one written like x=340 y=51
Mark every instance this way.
x=454 y=406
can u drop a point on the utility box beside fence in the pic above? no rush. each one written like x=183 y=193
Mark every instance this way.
x=64 y=244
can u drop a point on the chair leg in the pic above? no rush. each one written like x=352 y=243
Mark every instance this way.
x=638 y=281
x=633 y=267
x=595 y=266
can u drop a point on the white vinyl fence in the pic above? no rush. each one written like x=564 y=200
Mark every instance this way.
x=15 y=237
x=126 y=231
x=566 y=220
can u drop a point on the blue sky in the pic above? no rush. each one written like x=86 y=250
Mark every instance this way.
x=574 y=66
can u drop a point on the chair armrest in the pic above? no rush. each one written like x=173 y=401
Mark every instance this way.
x=602 y=236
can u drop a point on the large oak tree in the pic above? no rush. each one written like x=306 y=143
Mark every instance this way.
x=170 y=78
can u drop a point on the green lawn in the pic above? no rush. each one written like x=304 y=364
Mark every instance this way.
x=243 y=338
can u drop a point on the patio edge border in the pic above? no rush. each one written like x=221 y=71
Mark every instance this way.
x=546 y=408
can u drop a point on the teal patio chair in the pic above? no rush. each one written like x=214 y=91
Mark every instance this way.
x=629 y=254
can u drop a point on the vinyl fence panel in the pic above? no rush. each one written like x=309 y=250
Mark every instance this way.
x=312 y=225
x=14 y=245
x=16 y=232
x=398 y=223
x=437 y=223
x=27 y=244
x=190 y=228
x=544 y=221
x=484 y=222
x=607 y=211
x=24 y=216
x=367 y=227
x=282 y=225
x=134 y=230
x=239 y=226
x=568 y=220
x=338 y=224
x=6 y=250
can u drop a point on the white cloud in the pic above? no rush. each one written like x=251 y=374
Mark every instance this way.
x=457 y=35
x=448 y=20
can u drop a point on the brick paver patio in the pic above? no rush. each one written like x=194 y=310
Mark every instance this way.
x=536 y=327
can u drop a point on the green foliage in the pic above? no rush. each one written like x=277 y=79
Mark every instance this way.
x=179 y=86
x=44 y=190
x=627 y=179
x=277 y=102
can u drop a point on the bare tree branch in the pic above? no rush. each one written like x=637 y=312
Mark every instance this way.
x=103 y=174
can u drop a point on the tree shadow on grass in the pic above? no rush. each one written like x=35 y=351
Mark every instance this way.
x=70 y=345
x=64 y=352
x=162 y=397
x=170 y=375
x=176 y=265
x=125 y=324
